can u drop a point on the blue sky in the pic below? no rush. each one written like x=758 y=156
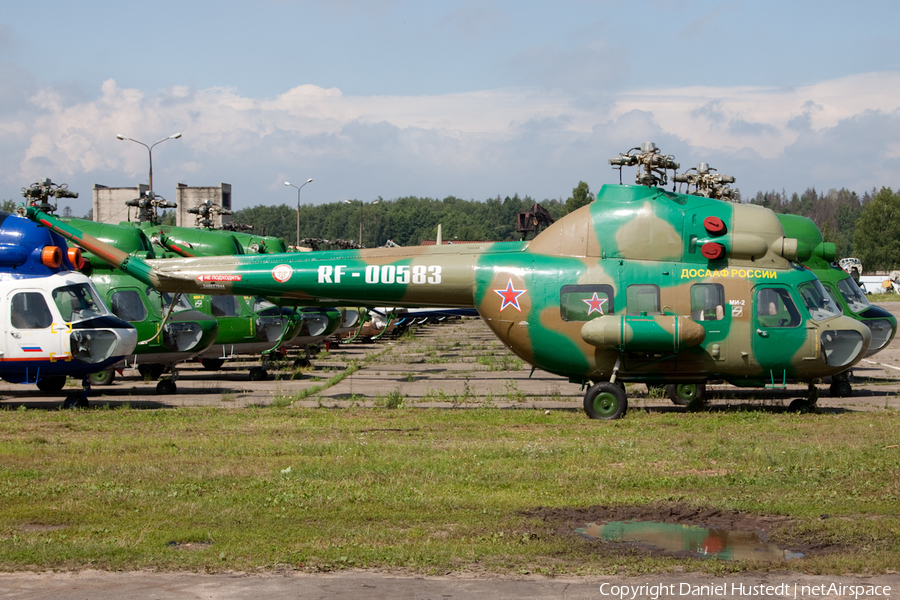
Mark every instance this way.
x=474 y=99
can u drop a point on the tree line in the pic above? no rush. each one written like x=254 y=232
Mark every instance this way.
x=866 y=226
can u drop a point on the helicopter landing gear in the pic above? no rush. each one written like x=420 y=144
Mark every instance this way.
x=54 y=383
x=167 y=387
x=212 y=364
x=79 y=400
x=808 y=404
x=692 y=395
x=605 y=401
x=840 y=385
x=258 y=374
x=103 y=377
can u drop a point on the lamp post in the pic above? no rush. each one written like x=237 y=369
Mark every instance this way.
x=361 y=205
x=288 y=183
x=174 y=136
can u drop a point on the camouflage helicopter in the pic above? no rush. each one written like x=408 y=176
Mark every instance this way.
x=819 y=257
x=814 y=254
x=640 y=285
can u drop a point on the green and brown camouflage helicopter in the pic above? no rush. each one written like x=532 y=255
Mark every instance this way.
x=819 y=256
x=814 y=254
x=640 y=285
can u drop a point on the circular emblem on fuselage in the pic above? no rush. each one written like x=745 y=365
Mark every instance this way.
x=282 y=273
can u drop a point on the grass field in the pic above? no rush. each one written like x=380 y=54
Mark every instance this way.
x=431 y=491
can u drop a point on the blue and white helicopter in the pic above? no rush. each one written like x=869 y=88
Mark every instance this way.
x=53 y=323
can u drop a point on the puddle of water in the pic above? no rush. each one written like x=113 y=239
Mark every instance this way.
x=698 y=541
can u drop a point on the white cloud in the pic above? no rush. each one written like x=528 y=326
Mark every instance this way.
x=475 y=144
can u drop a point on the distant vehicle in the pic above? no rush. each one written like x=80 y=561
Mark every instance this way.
x=55 y=324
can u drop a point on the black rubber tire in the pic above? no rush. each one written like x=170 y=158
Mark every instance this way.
x=687 y=394
x=258 y=374
x=212 y=364
x=606 y=401
x=103 y=377
x=841 y=389
x=53 y=383
x=151 y=372
x=166 y=387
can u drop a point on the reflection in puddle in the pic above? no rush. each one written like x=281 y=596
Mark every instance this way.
x=699 y=541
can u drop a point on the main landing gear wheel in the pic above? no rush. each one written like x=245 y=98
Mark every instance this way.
x=54 y=383
x=212 y=364
x=605 y=401
x=151 y=372
x=103 y=377
x=692 y=395
x=841 y=389
x=166 y=387
x=258 y=374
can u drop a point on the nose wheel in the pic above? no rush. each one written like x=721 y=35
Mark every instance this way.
x=79 y=400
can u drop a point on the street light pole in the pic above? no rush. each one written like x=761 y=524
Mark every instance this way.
x=288 y=183
x=361 y=205
x=174 y=136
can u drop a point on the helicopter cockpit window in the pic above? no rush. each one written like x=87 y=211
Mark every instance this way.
x=127 y=305
x=29 y=310
x=263 y=307
x=224 y=306
x=817 y=301
x=642 y=299
x=707 y=302
x=165 y=299
x=776 y=308
x=854 y=296
x=78 y=302
x=585 y=302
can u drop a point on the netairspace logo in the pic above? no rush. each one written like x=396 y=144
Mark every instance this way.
x=736 y=590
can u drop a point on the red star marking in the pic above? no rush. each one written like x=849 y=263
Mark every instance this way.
x=595 y=304
x=510 y=296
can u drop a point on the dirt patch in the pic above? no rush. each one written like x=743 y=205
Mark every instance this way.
x=564 y=522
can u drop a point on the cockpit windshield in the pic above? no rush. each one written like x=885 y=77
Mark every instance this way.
x=265 y=308
x=817 y=301
x=854 y=296
x=164 y=299
x=78 y=302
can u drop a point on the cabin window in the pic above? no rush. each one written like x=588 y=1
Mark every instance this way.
x=817 y=301
x=642 y=299
x=854 y=296
x=78 y=302
x=224 y=306
x=585 y=302
x=127 y=305
x=707 y=302
x=29 y=310
x=776 y=308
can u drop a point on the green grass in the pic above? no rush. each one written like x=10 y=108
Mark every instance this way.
x=429 y=491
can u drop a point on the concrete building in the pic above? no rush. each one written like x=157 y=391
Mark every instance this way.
x=192 y=197
x=109 y=206
x=109 y=203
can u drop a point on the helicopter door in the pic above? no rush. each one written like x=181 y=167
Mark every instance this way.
x=31 y=333
x=779 y=336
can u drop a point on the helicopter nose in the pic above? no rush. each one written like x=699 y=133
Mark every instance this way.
x=845 y=342
x=882 y=333
x=94 y=346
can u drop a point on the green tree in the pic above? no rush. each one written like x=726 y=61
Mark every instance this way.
x=581 y=196
x=876 y=240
